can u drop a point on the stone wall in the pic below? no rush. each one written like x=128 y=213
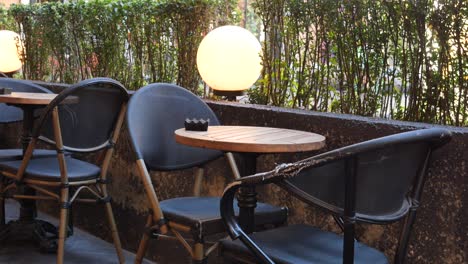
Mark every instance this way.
x=440 y=234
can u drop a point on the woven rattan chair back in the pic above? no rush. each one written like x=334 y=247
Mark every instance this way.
x=153 y=115
x=88 y=119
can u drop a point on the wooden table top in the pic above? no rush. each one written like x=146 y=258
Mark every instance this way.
x=251 y=139
x=27 y=98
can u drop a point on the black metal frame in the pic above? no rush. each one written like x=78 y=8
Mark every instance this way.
x=434 y=137
x=229 y=95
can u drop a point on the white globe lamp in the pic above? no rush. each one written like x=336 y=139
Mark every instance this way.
x=229 y=60
x=10 y=52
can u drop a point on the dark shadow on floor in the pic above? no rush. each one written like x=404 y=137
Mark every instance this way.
x=81 y=248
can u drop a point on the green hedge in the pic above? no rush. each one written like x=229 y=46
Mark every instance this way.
x=136 y=42
x=396 y=59
x=404 y=60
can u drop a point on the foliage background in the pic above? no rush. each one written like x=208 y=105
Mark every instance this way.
x=136 y=42
x=396 y=59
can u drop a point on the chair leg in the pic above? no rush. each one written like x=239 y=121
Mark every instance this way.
x=62 y=225
x=115 y=233
x=2 y=202
x=199 y=254
x=144 y=241
x=2 y=211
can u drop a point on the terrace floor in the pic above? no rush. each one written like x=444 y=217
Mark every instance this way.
x=80 y=248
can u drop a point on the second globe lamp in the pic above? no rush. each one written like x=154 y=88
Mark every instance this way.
x=10 y=52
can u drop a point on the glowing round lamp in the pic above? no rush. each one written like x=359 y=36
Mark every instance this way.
x=229 y=60
x=10 y=51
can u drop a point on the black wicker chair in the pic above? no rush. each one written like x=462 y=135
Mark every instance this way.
x=84 y=118
x=154 y=113
x=378 y=181
x=10 y=114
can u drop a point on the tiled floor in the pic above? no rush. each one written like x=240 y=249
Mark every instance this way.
x=81 y=248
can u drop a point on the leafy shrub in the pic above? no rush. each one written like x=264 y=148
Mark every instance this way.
x=135 y=42
x=396 y=59
x=404 y=60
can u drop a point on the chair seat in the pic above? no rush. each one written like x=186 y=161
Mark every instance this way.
x=47 y=169
x=202 y=214
x=302 y=244
x=17 y=154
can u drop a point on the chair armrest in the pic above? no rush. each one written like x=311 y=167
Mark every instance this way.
x=233 y=227
x=278 y=175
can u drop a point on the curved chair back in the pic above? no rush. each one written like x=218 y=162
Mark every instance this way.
x=384 y=169
x=376 y=181
x=9 y=114
x=154 y=113
x=88 y=112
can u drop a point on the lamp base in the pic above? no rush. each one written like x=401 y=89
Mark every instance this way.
x=229 y=95
x=7 y=74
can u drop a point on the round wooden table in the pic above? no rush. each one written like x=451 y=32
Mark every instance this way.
x=249 y=142
x=16 y=98
x=251 y=139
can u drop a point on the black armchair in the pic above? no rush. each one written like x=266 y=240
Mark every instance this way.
x=154 y=113
x=84 y=118
x=378 y=181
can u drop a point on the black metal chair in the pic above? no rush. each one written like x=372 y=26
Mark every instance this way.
x=11 y=114
x=378 y=181
x=154 y=113
x=85 y=118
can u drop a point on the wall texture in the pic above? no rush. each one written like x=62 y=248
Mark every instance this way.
x=440 y=234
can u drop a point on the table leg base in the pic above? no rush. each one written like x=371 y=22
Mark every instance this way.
x=43 y=233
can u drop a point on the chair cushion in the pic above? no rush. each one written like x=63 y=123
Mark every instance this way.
x=17 y=154
x=301 y=244
x=47 y=169
x=202 y=214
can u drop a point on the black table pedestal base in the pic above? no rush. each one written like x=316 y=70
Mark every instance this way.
x=247 y=196
x=43 y=233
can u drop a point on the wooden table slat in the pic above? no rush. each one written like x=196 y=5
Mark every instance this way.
x=273 y=137
x=215 y=131
x=251 y=139
x=27 y=98
x=246 y=134
x=294 y=139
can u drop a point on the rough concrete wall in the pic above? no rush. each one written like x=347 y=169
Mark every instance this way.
x=440 y=234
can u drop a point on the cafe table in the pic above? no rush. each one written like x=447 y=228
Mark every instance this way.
x=27 y=223
x=249 y=142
